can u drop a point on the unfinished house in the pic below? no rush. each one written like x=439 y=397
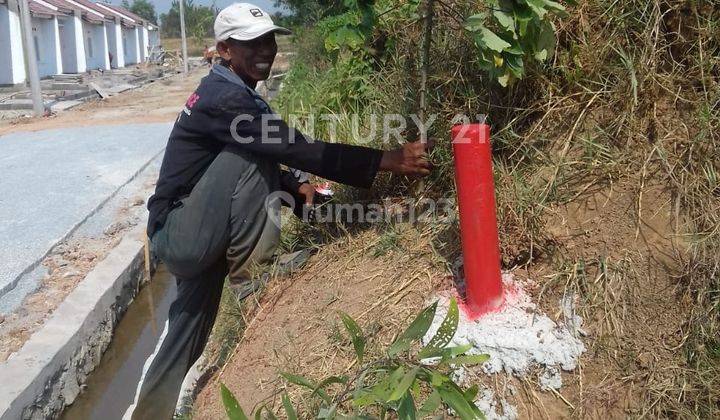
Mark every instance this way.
x=71 y=45
x=97 y=35
x=153 y=36
x=113 y=30
x=130 y=32
x=130 y=45
x=12 y=64
x=83 y=42
x=73 y=36
x=46 y=36
x=143 y=28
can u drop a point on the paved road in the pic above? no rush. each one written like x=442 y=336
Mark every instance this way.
x=52 y=180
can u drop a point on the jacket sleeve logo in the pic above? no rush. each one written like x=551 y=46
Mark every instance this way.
x=192 y=100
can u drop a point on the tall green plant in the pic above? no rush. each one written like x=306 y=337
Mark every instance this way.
x=351 y=30
x=401 y=383
x=513 y=33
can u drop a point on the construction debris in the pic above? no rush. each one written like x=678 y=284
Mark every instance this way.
x=64 y=91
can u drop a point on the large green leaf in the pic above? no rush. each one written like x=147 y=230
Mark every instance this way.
x=445 y=333
x=430 y=405
x=363 y=398
x=554 y=6
x=516 y=65
x=492 y=41
x=385 y=388
x=406 y=409
x=475 y=22
x=382 y=391
x=538 y=7
x=417 y=329
x=455 y=399
x=545 y=42
x=356 y=335
x=232 y=407
x=404 y=384
x=470 y=359
x=506 y=20
x=289 y=409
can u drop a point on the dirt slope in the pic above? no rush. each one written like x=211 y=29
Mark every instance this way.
x=296 y=327
x=632 y=312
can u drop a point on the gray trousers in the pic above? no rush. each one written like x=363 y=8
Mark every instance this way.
x=225 y=224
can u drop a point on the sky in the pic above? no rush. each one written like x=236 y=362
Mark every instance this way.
x=162 y=6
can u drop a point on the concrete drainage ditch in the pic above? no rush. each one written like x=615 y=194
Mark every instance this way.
x=53 y=366
x=110 y=389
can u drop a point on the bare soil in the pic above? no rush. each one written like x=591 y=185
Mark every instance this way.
x=296 y=328
x=159 y=101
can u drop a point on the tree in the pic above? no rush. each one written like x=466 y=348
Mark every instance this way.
x=198 y=20
x=308 y=12
x=144 y=9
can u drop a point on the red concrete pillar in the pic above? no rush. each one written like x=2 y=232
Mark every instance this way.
x=478 y=221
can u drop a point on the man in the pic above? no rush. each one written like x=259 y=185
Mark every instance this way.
x=209 y=217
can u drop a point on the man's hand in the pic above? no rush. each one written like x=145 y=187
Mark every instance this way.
x=308 y=191
x=411 y=159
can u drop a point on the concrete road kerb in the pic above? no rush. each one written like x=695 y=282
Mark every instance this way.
x=50 y=369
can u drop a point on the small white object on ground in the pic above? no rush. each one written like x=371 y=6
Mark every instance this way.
x=487 y=403
x=518 y=337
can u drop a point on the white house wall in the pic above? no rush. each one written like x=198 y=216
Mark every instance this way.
x=47 y=42
x=154 y=38
x=12 y=63
x=95 y=41
x=115 y=43
x=138 y=45
x=130 y=45
x=71 y=46
x=145 y=43
x=58 y=52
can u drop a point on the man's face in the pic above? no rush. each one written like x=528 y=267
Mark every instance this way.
x=252 y=59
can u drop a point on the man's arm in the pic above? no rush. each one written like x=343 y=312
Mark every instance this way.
x=235 y=119
x=269 y=136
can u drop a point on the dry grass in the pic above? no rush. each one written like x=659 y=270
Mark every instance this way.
x=294 y=326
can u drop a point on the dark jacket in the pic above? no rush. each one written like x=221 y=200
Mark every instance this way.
x=208 y=123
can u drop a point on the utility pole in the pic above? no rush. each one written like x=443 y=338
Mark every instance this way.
x=30 y=58
x=182 y=35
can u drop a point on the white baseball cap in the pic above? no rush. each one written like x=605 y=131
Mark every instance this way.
x=244 y=21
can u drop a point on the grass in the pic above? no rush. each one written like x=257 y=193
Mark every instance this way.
x=194 y=46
